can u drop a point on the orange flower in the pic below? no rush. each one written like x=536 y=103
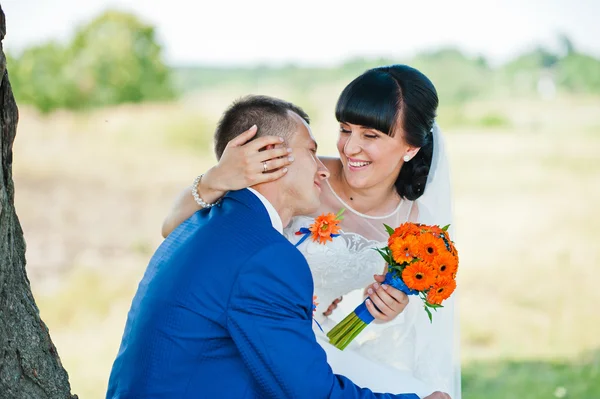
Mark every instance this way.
x=323 y=227
x=405 y=230
x=436 y=230
x=441 y=290
x=431 y=247
x=418 y=276
x=445 y=265
x=453 y=249
x=404 y=250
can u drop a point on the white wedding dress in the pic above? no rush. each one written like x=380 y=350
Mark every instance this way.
x=409 y=354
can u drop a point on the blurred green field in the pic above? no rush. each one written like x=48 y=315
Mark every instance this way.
x=533 y=379
x=92 y=189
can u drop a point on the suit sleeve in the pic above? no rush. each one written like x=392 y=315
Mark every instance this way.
x=269 y=318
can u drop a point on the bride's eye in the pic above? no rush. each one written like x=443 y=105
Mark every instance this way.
x=371 y=136
x=342 y=130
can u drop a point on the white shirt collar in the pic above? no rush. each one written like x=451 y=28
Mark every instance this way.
x=275 y=218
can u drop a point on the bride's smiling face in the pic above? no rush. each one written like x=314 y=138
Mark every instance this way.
x=371 y=157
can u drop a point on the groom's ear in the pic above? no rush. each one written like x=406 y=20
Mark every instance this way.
x=267 y=147
x=272 y=147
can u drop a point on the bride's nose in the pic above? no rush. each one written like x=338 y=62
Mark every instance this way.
x=352 y=146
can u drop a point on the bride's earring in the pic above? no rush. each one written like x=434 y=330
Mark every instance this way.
x=406 y=158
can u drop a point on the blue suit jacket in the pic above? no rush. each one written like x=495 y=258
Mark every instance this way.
x=224 y=310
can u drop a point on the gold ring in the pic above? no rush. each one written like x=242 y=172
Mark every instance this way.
x=264 y=166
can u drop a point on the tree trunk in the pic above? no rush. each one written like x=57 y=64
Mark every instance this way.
x=29 y=364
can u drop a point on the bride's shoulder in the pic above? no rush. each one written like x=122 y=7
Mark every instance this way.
x=413 y=215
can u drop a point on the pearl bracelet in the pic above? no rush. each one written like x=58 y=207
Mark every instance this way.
x=196 y=196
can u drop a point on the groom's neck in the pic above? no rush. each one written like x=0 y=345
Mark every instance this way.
x=278 y=197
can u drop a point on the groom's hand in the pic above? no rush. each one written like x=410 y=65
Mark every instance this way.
x=390 y=302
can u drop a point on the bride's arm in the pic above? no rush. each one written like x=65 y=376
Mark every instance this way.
x=240 y=166
x=185 y=205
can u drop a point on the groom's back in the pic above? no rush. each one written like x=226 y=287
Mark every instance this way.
x=176 y=342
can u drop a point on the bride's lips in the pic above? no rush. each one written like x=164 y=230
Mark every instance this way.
x=318 y=184
x=356 y=165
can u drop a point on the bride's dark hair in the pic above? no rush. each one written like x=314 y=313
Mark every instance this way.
x=391 y=99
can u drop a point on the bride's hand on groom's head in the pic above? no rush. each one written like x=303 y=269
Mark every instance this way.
x=244 y=164
x=385 y=302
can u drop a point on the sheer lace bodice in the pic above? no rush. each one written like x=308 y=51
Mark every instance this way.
x=346 y=264
x=349 y=262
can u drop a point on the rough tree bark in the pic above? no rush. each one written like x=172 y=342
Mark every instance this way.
x=29 y=364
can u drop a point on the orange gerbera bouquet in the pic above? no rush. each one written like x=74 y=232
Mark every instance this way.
x=422 y=260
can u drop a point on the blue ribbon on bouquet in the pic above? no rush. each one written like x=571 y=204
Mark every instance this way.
x=391 y=279
x=305 y=232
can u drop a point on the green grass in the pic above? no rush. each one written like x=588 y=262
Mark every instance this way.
x=578 y=379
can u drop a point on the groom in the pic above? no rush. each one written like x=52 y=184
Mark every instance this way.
x=225 y=307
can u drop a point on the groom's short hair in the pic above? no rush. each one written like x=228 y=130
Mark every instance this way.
x=269 y=114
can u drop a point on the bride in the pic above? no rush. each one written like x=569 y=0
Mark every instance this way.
x=392 y=169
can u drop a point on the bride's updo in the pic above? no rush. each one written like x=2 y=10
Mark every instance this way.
x=391 y=99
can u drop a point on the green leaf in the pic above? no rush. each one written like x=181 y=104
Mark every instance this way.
x=445 y=228
x=388 y=251
x=429 y=314
x=389 y=229
x=381 y=252
x=384 y=255
x=396 y=268
x=339 y=216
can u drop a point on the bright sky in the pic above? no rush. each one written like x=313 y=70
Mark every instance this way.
x=225 y=32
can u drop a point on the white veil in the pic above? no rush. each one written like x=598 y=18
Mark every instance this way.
x=435 y=207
